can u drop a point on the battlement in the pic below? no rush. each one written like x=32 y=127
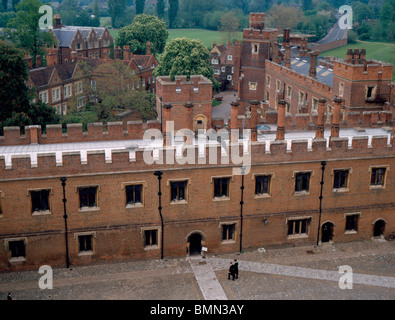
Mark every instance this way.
x=126 y=159
x=257 y=20
x=267 y=34
x=197 y=88
x=302 y=80
x=74 y=133
x=362 y=70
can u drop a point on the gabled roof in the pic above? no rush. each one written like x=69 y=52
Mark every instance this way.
x=42 y=76
x=142 y=61
x=66 y=34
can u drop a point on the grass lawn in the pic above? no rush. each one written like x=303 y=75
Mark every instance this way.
x=206 y=36
x=374 y=50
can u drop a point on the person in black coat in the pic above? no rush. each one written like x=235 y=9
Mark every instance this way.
x=231 y=272
x=236 y=269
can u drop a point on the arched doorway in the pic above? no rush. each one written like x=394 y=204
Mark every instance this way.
x=199 y=122
x=327 y=232
x=195 y=244
x=378 y=228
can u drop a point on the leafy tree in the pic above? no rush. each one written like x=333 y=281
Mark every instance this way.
x=140 y=6
x=280 y=16
x=242 y=5
x=160 y=8
x=173 y=11
x=361 y=11
x=25 y=32
x=15 y=106
x=230 y=25
x=14 y=3
x=307 y=5
x=116 y=9
x=5 y=17
x=14 y=95
x=144 y=28
x=5 y=4
x=188 y=57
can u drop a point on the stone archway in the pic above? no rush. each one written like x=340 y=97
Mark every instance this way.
x=199 y=122
x=378 y=228
x=195 y=241
x=327 y=232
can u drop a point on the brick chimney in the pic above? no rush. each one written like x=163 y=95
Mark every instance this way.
x=336 y=117
x=349 y=55
x=234 y=136
x=254 y=120
x=257 y=20
x=280 y=134
x=287 y=45
x=38 y=61
x=57 y=22
x=149 y=48
x=126 y=53
x=188 y=123
x=166 y=118
x=313 y=64
x=319 y=132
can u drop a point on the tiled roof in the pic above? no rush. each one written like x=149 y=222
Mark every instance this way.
x=302 y=65
x=41 y=76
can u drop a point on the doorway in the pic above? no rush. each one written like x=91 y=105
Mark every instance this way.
x=195 y=244
x=378 y=229
x=327 y=232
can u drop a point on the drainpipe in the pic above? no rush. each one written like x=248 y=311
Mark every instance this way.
x=63 y=179
x=159 y=175
x=323 y=163
x=241 y=210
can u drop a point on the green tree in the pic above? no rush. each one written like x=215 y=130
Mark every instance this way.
x=24 y=30
x=144 y=28
x=14 y=4
x=229 y=25
x=281 y=16
x=116 y=9
x=5 y=4
x=160 y=8
x=173 y=11
x=16 y=108
x=14 y=95
x=140 y=4
x=187 y=57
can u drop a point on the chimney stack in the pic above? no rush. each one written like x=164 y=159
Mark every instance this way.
x=313 y=64
x=234 y=136
x=149 y=48
x=280 y=134
x=57 y=22
x=336 y=117
x=126 y=53
x=349 y=55
x=319 y=133
x=254 y=119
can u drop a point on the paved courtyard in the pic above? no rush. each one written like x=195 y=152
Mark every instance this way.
x=292 y=273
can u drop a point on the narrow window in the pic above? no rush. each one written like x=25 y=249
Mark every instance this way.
x=221 y=187
x=369 y=94
x=228 y=232
x=17 y=249
x=262 y=184
x=340 y=180
x=85 y=243
x=178 y=190
x=352 y=222
x=40 y=200
x=302 y=182
x=151 y=237
x=377 y=177
x=88 y=197
x=133 y=194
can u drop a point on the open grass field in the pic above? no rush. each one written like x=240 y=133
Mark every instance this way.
x=374 y=50
x=206 y=36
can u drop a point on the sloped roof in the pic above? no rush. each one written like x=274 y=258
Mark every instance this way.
x=41 y=76
x=302 y=65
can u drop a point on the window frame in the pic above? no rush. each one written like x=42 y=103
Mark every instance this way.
x=378 y=186
x=92 y=235
x=12 y=259
x=295 y=176
x=186 y=190
x=227 y=225
x=40 y=212
x=158 y=237
x=88 y=208
x=347 y=180
x=221 y=198
x=267 y=194
x=300 y=220
x=357 y=216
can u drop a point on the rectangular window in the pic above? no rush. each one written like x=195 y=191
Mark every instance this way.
x=229 y=77
x=221 y=187
x=134 y=194
x=17 y=249
x=301 y=97
x=217 y=71
x=178 y=190
x=214 y=61
x=255 y=48
x=352 y=222
x=228 y=232
x=298 y=227
x=93 y=85
x=289 y=91
x=151 y=238
x=262 y=184
x=1 y=205
x=340 y=180
x=369 y=93
x=377 y=177
x=278 y=85
x=223 y=69
x=315 y=104
x=268 y=81
x=80 y=102
x=230 y=57
x=40 y=200
x=302 y=181
x=88 y=197
x=85 y=243
x=252 y=85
